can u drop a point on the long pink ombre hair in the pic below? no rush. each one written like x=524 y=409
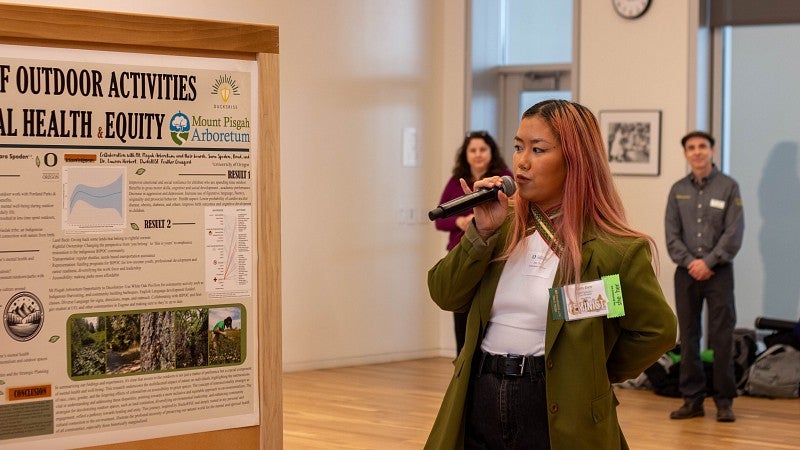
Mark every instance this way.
x=590 y=197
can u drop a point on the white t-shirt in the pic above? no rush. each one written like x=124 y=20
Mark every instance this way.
x=519 y=313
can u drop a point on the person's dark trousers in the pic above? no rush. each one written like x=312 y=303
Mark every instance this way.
x=717 y=292
x=506 y=412
x=460 y=323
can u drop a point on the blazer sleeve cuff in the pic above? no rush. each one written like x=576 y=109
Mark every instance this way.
x=477 y=246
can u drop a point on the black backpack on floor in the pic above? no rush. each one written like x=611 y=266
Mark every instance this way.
x=744 y=354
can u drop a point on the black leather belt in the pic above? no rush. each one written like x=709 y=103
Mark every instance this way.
x=510 y=365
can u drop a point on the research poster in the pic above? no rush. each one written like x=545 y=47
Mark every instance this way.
x=127 y=284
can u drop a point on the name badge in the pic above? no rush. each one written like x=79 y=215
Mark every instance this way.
x=541 y=264
x=597 y=298
x=717 y=203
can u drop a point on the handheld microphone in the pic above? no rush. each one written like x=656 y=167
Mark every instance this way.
x=469 y=201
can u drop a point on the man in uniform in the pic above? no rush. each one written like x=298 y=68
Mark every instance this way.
x=704 y=226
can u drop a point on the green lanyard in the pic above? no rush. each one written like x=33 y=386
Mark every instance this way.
x=543 y=223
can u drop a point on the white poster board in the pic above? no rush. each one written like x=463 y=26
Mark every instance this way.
x=127 y=246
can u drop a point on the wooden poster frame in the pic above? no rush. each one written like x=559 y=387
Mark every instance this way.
x=135 y=33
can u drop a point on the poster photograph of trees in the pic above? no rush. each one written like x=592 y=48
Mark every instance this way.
x=152 y=341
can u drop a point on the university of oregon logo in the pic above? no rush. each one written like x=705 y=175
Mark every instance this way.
x=179 y=128
x=23 y=316
x=225 y=86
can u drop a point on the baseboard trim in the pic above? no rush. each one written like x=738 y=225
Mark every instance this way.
x=299 y=366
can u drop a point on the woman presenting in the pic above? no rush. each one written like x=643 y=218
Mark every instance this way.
x=562 y=298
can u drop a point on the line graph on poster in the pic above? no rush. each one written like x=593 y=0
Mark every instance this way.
x=228 y=250
x=93 y=199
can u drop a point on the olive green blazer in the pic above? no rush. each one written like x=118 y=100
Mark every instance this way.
x=582 y=357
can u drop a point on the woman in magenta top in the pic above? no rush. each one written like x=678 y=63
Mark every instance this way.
x=478 y=157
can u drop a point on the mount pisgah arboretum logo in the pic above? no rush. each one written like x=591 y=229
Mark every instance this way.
x=179 y=128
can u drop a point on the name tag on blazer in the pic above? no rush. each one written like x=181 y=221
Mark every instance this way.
x=597 y=298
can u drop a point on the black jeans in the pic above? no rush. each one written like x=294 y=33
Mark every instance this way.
x=460 y=324
x=506 y=412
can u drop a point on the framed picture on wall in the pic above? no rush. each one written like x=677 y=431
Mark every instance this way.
x=633 y=141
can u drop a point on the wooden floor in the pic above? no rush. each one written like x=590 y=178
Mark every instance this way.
x=392 y=406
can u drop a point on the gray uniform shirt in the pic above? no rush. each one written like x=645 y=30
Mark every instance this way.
x=704 y=219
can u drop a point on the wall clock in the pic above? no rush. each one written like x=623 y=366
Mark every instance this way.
x=631 y=9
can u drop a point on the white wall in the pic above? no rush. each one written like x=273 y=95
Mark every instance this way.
x=642 y=64
x=354 y=73
x=249 y=11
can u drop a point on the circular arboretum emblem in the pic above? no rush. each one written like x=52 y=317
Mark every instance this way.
x=23 y=316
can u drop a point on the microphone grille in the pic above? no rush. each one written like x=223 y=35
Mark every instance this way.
x=509 y=187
